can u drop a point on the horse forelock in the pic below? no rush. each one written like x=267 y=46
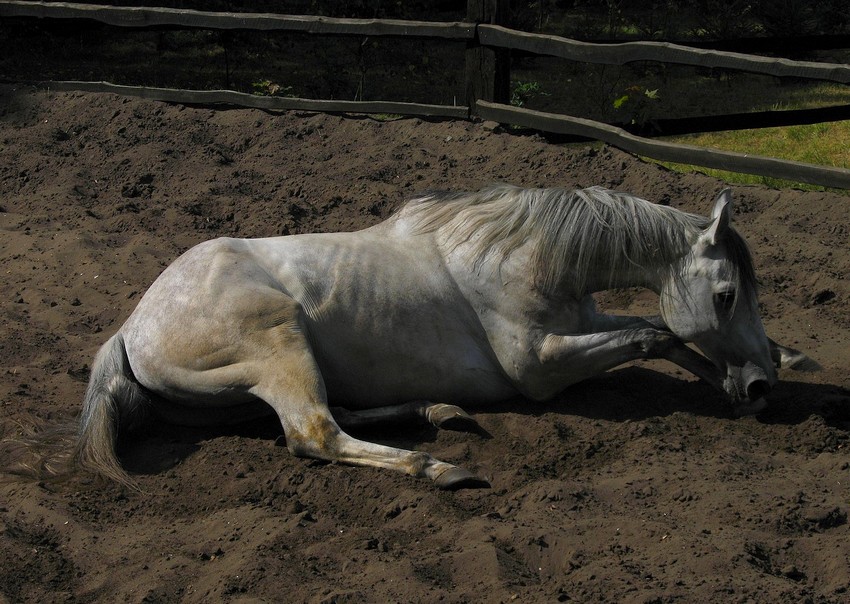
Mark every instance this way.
x=573 y=233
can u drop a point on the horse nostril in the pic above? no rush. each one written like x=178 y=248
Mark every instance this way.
x=757 y=389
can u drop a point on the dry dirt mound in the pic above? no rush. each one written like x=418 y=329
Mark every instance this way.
x=636 y=486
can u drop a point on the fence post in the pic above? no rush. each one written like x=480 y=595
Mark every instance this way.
x=487 y=69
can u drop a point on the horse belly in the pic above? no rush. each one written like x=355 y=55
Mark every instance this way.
x=358 y=374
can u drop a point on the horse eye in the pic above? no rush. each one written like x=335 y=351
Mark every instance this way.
x=725 y=300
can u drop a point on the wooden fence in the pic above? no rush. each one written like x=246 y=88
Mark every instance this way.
x=487 y=75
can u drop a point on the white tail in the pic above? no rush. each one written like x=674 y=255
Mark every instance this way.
x=114 y=403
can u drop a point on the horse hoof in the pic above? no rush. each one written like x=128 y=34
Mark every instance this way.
x=458 y=478
x=801 y=362
x=451 y=417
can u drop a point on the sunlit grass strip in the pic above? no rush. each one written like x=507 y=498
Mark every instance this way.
x=826 y=144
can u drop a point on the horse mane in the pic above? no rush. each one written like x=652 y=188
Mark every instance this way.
x=572 y=232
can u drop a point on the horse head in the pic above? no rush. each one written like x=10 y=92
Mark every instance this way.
x=710 y=299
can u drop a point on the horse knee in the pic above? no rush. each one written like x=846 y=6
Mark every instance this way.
x=417 y=463
x=318 y=439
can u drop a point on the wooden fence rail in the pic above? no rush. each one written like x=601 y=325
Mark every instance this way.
x=157 y=16
x=268 y=103
x=664 y=151
x=488 y=35
x=664 y=52
x=477 y=35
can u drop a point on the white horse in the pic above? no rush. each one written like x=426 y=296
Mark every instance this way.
x=464 y=298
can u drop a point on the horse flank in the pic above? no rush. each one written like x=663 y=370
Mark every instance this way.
x=573 y=232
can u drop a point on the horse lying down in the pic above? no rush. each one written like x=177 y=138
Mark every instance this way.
x=461 y=297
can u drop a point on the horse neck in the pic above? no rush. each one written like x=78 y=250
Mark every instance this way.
x=608 y=240
x=601 y=278
x=617 y=270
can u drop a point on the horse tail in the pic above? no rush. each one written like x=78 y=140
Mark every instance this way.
x=52 y=451
x=115 y=403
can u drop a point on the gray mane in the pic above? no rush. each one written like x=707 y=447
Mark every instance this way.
x=572 y=232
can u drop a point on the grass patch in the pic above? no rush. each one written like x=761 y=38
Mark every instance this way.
x=826 y=144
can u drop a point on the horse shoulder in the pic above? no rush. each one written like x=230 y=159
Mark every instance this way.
x=517 y=317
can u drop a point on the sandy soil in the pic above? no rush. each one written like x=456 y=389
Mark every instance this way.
x=637 y=486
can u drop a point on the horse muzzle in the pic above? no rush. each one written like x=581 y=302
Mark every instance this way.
x=747 y=386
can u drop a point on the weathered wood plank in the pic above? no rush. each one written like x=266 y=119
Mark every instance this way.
x=271 y=103
x=628 y=52
x=664 y=151
x=740 y=121
x=155 y=16
x=488 y=71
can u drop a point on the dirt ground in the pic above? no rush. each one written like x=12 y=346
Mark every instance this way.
x=637 y=486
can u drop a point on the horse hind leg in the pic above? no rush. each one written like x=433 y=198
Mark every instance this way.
x=439 y=415
x=292 y=384
x=311 y=431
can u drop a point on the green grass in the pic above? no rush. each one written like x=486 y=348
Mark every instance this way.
x=826 y=144
x=594 y=92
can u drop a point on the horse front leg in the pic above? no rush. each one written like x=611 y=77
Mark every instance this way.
x=783 y=356
x=576 y=357
x=791 y=358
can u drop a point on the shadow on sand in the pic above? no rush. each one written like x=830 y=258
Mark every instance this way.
x=628 y=394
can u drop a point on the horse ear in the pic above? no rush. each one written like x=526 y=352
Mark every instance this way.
x=721 y=216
